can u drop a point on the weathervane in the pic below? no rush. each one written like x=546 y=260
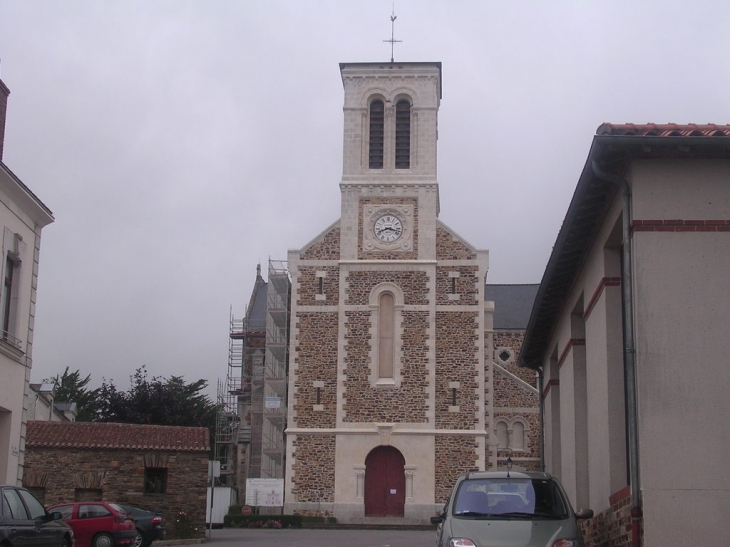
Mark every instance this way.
x=392 y=40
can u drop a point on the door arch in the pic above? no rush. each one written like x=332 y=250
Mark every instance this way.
x=385 y=482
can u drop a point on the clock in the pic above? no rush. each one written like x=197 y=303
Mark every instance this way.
x=388 y=228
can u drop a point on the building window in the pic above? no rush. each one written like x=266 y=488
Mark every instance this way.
x=518 y=436
x=502 y=435
x=155 y=480
x=403 y=135
x=8 y=300
x=386 y=335
x=377 y=134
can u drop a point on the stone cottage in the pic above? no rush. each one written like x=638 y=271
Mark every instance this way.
x=160 y=468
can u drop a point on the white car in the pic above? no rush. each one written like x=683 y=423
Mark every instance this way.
x=509 y=509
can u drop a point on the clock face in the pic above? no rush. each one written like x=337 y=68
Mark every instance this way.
x=388 y=228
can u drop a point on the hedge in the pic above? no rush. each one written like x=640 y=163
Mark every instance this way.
x=234 y=519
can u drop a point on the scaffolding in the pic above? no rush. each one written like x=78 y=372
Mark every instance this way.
x=251 y=417
x=275 y=374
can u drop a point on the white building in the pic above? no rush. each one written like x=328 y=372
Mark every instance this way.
x=630 y=328
x=22 y=217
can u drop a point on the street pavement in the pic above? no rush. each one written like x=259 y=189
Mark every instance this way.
x=304 y=537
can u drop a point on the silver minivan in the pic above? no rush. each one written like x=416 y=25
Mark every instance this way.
x=509 y=509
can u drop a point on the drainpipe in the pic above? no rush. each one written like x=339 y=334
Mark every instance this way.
x=629 y=353
x=541 y=401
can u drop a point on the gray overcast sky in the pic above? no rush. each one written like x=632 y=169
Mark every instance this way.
x=180 y=143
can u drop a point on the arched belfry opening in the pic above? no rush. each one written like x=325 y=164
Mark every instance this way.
x=385 y=482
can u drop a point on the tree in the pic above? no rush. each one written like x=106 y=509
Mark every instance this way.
x=160 y=401
x=70 y=388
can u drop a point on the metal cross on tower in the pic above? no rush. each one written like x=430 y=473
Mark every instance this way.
x=392 y=40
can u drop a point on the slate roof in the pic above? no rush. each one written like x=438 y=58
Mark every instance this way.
x=512 y=304
x=98 y=435
x=614 y=147
x=256 y=313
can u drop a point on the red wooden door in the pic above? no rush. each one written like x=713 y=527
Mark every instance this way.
x=385 y=483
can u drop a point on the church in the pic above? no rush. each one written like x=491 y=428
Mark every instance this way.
x=402 y=369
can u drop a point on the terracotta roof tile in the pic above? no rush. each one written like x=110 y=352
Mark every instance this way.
x=664 y=130
x=43 y=434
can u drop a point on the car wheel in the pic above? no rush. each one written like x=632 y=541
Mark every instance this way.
x=66 y=542
x=138 y=540
x=103 y=540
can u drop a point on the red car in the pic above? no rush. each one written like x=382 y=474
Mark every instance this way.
x=98 y=523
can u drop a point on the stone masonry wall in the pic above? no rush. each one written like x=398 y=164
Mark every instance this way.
x=62 y=471
x=326 y=248
x=454 y=455
x=317 y=362
x=450 y=248
x=414 y=285
x=405 y=403
x=309 y=286
x=512 y=341
x=457 y=358
x=466 y=284
x=314 y=463
x=512 y=400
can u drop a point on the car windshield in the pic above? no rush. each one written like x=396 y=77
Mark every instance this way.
x=507 y=497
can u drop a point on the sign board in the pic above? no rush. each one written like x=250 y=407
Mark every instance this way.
x=246 y=510
x=273 y=402
x=214 y=469
x=265 y=492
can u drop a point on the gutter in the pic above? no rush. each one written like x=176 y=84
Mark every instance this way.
x=629 y=352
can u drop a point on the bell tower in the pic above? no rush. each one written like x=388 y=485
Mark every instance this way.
x=389 y=188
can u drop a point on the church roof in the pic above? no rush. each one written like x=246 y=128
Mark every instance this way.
x=512 y=304
x=614 y=147
x=256 y=310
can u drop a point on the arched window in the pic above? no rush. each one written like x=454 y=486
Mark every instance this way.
x=518 y=436
x=386 y=335
x=403 y=134
x=502 y=435
x=377 y=134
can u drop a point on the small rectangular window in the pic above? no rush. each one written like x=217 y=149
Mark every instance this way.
x=155 y=480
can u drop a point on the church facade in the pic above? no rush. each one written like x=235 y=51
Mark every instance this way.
x=392 y=352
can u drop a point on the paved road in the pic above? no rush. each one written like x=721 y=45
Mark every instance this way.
x=259 y=537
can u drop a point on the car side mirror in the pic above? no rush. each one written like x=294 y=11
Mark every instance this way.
x=438 y=519
x=584 y=514
x=56 y=515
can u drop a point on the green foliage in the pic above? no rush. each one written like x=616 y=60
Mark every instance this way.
x=183 y=527
x=159 y=401
x=262 y=521
x=234 y=519
x=70 y=388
